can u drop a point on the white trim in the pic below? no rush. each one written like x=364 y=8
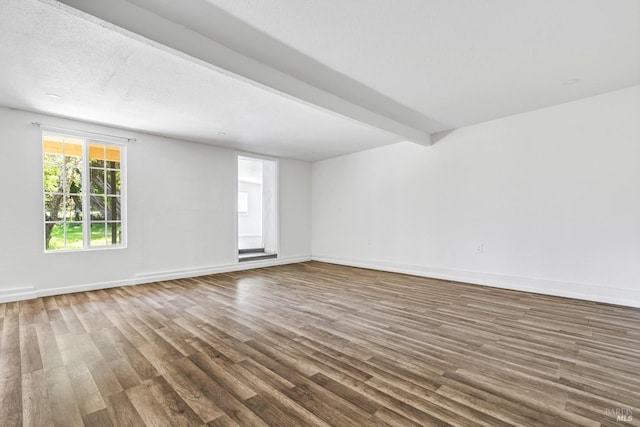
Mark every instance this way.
x=276 y=190
x=86 y=198
x=30 y=292
x=84 y=133
x=18 y=294
x=588 y=292
x=204 y=271
x=236 y=222
x=82 y=288
x=89 y=249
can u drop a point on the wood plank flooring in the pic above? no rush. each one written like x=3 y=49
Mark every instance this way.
x=315 y=344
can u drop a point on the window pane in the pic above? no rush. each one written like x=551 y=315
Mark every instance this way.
x=72 y=182
x=98 y=234
x=72 y=151
x=52 y=150
x=73 y=147
x=54 y=236
x=113 y=182
x=52 y=144
x=53 y=207
x=73 y=208
x=97 y=208
x=243 y=203
x=113 y=157
x=96 y=155
x=74 y=161
x=52 y=179
x=113 y=208
x=74 y=235
x=53 y=159
x=73 y=177
x=97 y=181
x=114 y=233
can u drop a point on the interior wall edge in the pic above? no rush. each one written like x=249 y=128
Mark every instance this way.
x=586 y=292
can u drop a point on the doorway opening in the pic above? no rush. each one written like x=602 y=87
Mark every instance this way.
x=257 y=209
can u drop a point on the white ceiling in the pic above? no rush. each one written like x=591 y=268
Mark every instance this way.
x=109 y=78
x=462 y=62
x=311 y=79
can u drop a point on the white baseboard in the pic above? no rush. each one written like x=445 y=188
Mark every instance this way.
x=17 y=294
x=195 y=272
x=30 y=292
x=82 y=288
x=589 y=292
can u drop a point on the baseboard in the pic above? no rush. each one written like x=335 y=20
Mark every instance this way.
x=610 y=295
x=30 y=292
x=588 y=292
x=82 y=288
x=17 y=294
x=195 y=272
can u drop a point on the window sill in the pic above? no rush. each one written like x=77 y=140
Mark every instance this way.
x=93 y=249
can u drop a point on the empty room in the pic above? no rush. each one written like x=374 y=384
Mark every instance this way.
x=320 y=213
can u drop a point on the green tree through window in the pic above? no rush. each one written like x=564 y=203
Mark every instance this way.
x=83 y=192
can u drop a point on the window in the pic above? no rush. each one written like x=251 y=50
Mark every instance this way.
x=257 y=219
x=83 y=193
x=243 y=203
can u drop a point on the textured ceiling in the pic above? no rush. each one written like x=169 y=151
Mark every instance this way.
x=107 y=77
x=311 y=79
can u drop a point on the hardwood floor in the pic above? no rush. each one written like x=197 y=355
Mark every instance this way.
x=317 y=344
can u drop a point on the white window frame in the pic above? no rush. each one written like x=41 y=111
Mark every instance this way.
x=86 y=216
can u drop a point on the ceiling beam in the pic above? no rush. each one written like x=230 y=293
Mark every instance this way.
x=201 y=32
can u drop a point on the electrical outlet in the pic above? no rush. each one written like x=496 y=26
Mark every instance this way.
x=480 y=248
x=369 y=242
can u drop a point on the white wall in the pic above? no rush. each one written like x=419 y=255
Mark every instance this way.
x=294 y=181
x=553 y=196
x=181 y=214
x=269 y=206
